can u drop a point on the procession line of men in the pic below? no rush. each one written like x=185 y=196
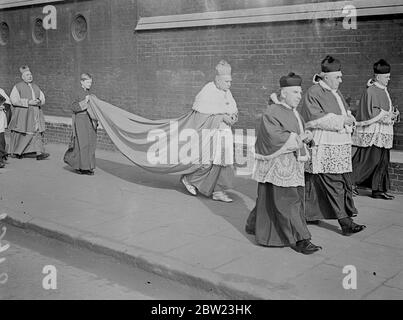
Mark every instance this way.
x=299 y=185
x=304 y=164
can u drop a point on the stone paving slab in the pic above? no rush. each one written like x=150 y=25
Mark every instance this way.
x=319 y=283
x=396 y=281
x=385 y=293
x=150 y=221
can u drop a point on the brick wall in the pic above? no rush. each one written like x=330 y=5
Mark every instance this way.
x=176 y=63
x=61 y=133
x=156 y=74
x=108 y=52
x=396 y=177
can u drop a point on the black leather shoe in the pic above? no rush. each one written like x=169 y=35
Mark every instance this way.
x=249 y=230
x=2 y=165
x=87 y=172
x=352 y=228
x=390 y=196
x=42 y=156
x=355 y=191
x=306 y=247
x=382 y=195
x=313 y=222
x=19 y=156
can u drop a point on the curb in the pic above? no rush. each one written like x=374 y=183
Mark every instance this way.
x=164 y=266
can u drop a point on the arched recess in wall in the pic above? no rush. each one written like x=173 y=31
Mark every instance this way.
x=4 y=33
x=79 y=27
x=38 y=31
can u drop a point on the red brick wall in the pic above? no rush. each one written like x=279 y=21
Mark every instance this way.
x=157 y=73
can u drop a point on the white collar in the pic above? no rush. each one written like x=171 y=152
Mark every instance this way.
x=275 y=99
x=376 y=83
x=371 y=82
x=325 y=86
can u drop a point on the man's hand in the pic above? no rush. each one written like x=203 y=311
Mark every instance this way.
x=349 y=121
x=396 y=114
x=228 y=119
x=306 y=137
x=87 y=98
x=34 y=102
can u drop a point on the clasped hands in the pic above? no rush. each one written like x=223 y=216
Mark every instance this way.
x=35 y=102
x=349 y=121
x=305 y=137
x=391 y=117
x=395 y=114
x=230 y=119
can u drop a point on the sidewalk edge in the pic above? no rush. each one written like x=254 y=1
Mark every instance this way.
x=151 y=262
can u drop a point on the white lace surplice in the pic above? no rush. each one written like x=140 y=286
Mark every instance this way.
x=376 y=132
x=283 y=171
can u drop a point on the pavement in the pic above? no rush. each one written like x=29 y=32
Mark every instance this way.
x=149 y=221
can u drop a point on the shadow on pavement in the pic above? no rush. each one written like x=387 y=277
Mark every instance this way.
x=330 y=227
x=234 y=213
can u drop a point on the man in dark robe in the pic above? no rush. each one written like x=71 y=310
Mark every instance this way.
x=278 y=218
x=81 y=153
x=328 y=172
x=373 y=136
x=27 y=123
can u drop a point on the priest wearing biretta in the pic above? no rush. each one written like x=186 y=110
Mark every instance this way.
x=278 y=218
x=373 y=136
x=328 y=172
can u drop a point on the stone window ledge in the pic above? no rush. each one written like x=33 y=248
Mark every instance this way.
x=271 y=14
x=19 y=3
